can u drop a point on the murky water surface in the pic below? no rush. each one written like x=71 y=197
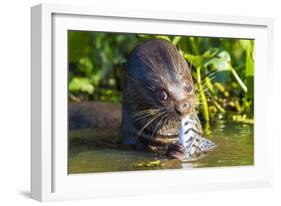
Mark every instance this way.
x=92 y=150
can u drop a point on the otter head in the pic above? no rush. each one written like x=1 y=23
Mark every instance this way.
x=158 y=92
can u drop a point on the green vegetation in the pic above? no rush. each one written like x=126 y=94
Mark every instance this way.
x=222 y=68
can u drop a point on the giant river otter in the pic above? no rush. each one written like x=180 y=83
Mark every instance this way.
x=158 y=93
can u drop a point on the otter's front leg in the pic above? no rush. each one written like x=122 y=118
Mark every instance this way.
x=176 y=151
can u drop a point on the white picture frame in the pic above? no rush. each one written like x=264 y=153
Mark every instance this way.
x=49 y=178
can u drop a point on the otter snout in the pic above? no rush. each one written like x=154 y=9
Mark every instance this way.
x=183 y=108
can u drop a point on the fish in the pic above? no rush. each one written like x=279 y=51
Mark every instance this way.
x=193 y=141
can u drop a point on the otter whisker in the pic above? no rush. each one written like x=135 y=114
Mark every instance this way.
x=171 y=119
x=190 y=67
x=148 y=123
x=149 y=111
x=172 y=57
x=160 y=121
x=141 y=117
x=135 y=80
x=205 y=90
x=151 y=64
x=167 y=119
x=145 y=113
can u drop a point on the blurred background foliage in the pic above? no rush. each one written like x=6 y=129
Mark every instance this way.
x=222 y=68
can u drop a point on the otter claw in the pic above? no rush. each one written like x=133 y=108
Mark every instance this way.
x=176 y=151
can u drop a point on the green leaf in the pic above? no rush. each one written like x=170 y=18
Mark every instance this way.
x=86 y=66
x=163 y=37
x=221 y=61
x=195 y=60
x=209 y=85
x=224 y=55
x=200 y=60
x=202 y=96
x=81 y=84
x=249 y=65
x=218 y=64
x=176 y=40
x=248 y=45
x=211 y=53
x=79 y=45
x=250 y=77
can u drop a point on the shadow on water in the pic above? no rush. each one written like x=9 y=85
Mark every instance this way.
x=92 y=150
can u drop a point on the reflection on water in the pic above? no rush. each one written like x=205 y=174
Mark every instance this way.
x=98 y=151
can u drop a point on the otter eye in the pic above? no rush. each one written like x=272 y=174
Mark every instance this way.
x=162 y=95
x=188 y=88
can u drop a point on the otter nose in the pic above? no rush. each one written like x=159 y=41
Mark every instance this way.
x=182 y=108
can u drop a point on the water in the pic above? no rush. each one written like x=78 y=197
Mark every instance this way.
x=92 y=150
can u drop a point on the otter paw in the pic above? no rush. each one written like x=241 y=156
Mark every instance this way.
x=176 y=151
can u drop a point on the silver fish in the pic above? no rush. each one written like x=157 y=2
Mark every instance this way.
x=192 y=140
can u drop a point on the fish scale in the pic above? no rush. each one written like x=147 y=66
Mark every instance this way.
x=192 y=140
